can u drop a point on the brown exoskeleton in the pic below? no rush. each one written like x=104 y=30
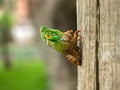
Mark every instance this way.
x=73 y=52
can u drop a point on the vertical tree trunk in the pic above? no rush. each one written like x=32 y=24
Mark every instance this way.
x=6 y=56
x=86 y=19
x=5 y=26
x=109 y=45
x=100 y=24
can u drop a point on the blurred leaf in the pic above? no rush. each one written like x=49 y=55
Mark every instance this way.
x=1 y=2
x=6 y=21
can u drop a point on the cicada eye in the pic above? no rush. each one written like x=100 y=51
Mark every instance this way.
x=48 y=33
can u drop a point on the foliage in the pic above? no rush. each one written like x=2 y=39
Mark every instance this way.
x=1 y=2
x=6 y=20
x=24 y=75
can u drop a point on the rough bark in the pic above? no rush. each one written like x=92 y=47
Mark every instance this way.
x=99 y=21
x=109 y=45
x=86 y=18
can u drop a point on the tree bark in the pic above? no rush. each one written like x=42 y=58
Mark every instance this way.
x=109 y=45
x=100 y=24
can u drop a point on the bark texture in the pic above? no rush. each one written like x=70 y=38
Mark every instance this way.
x=100 y=24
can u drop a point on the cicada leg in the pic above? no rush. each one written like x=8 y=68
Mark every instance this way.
x=75 y=35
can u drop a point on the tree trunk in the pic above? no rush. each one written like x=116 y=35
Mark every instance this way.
x=100 y=24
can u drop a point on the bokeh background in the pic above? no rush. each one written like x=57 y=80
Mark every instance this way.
x=25 y=62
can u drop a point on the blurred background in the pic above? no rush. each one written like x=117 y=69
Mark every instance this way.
x=25 y=62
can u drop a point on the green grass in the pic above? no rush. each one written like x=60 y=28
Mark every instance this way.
x=24 y=75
